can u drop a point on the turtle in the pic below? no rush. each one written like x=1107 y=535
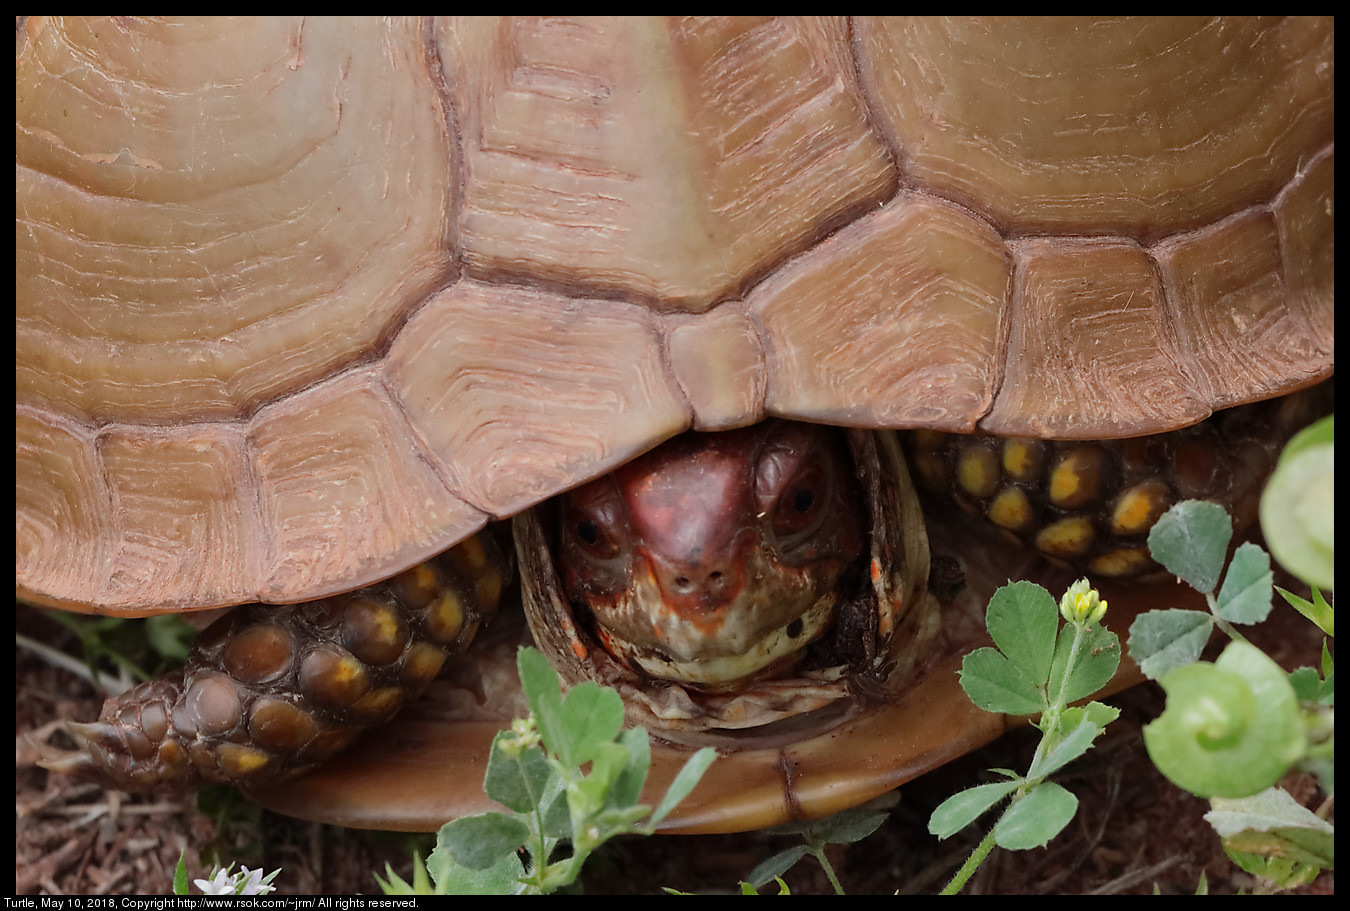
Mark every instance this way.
x=304 y=305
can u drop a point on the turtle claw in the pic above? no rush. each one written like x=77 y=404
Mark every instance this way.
x=86 y=732
x=53 y=758
x=78 y=762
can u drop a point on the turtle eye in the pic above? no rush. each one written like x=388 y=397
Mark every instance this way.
x=587 y=532
x=800 y=505
x=594 y=541
x=593 y=521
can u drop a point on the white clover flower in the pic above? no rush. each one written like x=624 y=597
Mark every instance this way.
x=245 y=882
x=220 y=884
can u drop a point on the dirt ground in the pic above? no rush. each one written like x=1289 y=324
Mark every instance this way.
x=1134 y=832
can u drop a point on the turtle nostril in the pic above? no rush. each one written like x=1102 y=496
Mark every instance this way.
x=687 y=585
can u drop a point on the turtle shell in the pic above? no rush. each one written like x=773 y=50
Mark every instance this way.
x=303 y=302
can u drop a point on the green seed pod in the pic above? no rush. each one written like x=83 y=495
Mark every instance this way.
x=1231 y=728
x=1298 y=508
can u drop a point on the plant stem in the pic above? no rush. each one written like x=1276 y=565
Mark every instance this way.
x=1058 y=704
x=1221 y=623
x=819 y=854
x=971 y=865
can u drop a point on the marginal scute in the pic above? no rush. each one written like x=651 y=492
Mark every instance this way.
x=522 y=392
x=345 y=484
x=1305 y=214
x=62 y=527
x=718 y=360
x=892 y=322
x=1090 y=353
x=1238 y=327
x=186 y=536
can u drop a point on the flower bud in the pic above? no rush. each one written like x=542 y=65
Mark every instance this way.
x=1081 y=605
x=524 y=734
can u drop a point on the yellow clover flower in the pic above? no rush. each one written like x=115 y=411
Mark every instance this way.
x=1081 y=605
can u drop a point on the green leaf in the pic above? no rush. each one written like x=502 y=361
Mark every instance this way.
x=619 y=821
x=1284 y=872
x=852 y=825
x=180 y=875
x=543 y=691
x=1098 y=658
x=1298 y=506
x=1273 y=823
x=170 y=636
x=1100 y=714
x=1022 y=619
x=573 y=725
x=684 y=782
x=1035 y=819
x=1246 y=593
x=627 y=787
x=748 y=889
x=995 y=684
x=397 y=885
x=1269 y=809
x=591 y=716
x=1191 y=542
x=557 y=816
x=1230 y=728
x=1307 y=684
x=500 y=878
x=963 y=808
x=517 y=782
x=766 y=871
x=1317 y=610
x=478 y=842
x=1080 y=730
x=1161 y=640
x=588 y=796
x=844 y=827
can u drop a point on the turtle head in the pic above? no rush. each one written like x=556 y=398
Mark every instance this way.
x=719 y=556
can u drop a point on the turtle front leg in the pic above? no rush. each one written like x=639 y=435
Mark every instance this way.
x=269 y=692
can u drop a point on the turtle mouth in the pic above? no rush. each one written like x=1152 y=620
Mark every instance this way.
x=759 y=631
